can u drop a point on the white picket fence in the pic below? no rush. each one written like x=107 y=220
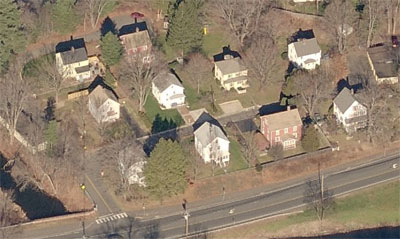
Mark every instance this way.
x=23 y=141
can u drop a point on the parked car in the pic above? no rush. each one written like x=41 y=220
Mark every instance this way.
x=395 y=41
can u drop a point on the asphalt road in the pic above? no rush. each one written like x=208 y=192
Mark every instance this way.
x=228 y=213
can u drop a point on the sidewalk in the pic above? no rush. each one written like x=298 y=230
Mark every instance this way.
x=237 y=196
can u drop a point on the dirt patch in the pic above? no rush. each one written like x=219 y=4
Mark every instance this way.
x=231 y=107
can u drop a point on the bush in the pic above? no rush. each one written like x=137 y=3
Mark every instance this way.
x=259 y=167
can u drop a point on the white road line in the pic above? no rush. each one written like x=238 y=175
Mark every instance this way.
x=111 y=217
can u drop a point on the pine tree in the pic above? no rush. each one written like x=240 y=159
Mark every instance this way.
x=111 y=49
x=64 y=16
x=165 y=170
x=11 y=32
x=310 y=141
x=185 y=29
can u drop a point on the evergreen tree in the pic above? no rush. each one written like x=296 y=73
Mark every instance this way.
x=185 y=29
x=310 y=141
x=165 y=169
x=64 y=16
x=111 y=49
x=11 y=32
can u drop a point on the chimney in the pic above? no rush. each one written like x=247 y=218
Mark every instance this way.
x=228 y=56
x=288 y=108
x=71 y=38
x=137 y=29
x=73 y=49
x=352 y=91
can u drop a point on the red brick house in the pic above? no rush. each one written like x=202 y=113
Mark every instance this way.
x=282 y=128
x=137 y=42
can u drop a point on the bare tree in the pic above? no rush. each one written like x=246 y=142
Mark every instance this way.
x=318 y=196
x=250 y=149
x=14 y=91
x=198 y=69
x=95 y=9
x=260 y=57
x=243 y=17
x=140 y=73
x=10 y=214
x=276 y=152
x=313 y=87
x=375 y=9
x=340 y=15
x=392 y=8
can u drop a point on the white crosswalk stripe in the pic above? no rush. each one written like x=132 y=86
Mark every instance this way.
x=111 y=217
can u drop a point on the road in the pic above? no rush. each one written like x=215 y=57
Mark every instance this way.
x=267 y=203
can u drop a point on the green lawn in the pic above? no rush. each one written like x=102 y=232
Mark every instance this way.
x=236 y=161
x=371 y=207
x=153 y=109
x=213 y=43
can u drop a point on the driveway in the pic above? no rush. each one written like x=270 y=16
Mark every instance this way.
x=231 y=107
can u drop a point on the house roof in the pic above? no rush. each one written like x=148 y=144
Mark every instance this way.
x=384 y=60
x=236 y=79
x=164 y=80
x=207 y=132
x=344 y=100
x=229 y=66
x=73 y=56
x=100 y=95
x=136 y=39
x=306 y=47
x=82 y=69
x=282 y=119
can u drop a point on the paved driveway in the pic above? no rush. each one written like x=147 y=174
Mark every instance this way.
x=231 y=107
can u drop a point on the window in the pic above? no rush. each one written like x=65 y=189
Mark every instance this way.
x=277 y=139
x=295 y=135
x=286 y=130
x=294 y=128
x=277 y=132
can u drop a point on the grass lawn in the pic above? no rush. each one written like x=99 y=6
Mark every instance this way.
x=237 y=160
x=152 y=109
x=213 y=42
x=371 y=207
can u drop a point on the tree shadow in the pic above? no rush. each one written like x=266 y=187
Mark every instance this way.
x=108 y=26
x=161 y=128
x=131 y=28
x=318 y=197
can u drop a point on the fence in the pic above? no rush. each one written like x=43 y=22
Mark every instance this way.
x=23 y=141
x=77 y=94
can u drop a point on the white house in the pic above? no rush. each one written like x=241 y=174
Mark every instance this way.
x=103 y=105
x=231 y=73
x=305 y=53
x=131 y=165
x=349 y=112
x=168 y=91
x=73 y=62
x=212 y=144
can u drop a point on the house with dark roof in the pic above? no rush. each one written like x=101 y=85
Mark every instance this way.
x=282 y=128
x=72 y=60
x=168 y=90
x=305 y=53
x=211 y=143
x=384 y=63
x=231 y=73
x=104 y=105
x=136 y=40
x=349 y=111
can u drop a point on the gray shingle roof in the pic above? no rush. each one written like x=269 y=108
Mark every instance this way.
x=82 y=69
x=207 y=132
x=136 y=39
x=282 y=119
x=344 y=100
x=100 y=94
x=306 y=47
x=230 y=66
x=74 y=56
x=164 y=80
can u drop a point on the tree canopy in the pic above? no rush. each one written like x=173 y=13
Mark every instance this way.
x=185 y=29
x=12 y=39
x=64 y=16
x=165 y=170
x=111 y=49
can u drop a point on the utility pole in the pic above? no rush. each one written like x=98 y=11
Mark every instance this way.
x=223 y=193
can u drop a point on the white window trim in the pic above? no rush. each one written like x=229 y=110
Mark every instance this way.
x=278 y=139
x=277 y=132
x=286 y=130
